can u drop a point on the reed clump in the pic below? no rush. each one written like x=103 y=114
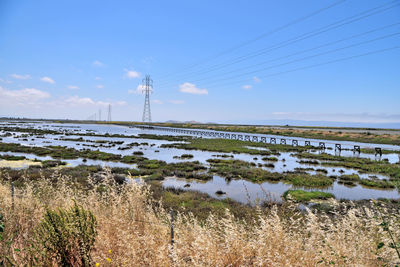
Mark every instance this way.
x=132 y=229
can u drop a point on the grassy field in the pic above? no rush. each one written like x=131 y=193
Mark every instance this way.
x=228 y=168
x=365 y=137
x=52 y=222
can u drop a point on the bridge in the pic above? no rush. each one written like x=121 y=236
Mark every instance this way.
x=254 y=138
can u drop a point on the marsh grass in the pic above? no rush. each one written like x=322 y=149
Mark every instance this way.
x=364 y=164
x=234 y=146
x=292 y=131
x=133 y=229
x=238 y=169
x=306 y=196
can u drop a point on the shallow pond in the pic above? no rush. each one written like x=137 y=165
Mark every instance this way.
x=152 y=150
x=242 y=191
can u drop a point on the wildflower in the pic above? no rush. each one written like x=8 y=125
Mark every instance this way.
x=97 y=264
x=109 y=251
x=108 y=259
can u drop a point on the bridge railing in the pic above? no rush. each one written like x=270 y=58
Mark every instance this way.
x=251 y=138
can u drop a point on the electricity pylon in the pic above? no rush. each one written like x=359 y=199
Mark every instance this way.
x=109 y=113
x=147 y=88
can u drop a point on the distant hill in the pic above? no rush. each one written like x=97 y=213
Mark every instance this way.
x=393 y=125
x=191 y=122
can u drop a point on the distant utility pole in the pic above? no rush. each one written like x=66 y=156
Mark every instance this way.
x=109 y=113
x=147 y=88
x=99 y=114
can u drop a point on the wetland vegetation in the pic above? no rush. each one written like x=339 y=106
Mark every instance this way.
x=127 y=198
x=104 y=208
x=310 y=133
x=306 y=196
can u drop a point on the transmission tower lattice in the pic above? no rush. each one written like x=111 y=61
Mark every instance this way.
x=147 y=88
x=109 y=113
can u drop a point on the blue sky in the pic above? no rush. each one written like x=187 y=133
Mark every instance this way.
x=68 y=59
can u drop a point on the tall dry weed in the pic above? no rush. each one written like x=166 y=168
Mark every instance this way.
x=134 y=230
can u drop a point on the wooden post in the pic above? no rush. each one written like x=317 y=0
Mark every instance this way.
x=172 y=228
x=12 y=196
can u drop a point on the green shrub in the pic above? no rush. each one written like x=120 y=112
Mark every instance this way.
x=305 y=196
x=67 y=236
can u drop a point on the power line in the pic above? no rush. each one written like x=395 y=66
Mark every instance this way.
x=308 y=57
x=299 y=38
x=332 y=26
x=301 y=52
x=280 y=28
x=319 y=64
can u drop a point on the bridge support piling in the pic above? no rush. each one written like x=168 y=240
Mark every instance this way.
x=322 y=145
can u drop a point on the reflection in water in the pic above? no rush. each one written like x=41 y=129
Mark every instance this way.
x=242 y=190
x=235 y=189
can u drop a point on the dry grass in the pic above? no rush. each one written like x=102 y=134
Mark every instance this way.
x=133 y=230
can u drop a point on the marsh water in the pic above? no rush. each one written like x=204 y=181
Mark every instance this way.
x=237 y=189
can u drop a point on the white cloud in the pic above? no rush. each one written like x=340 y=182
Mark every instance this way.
x=47 y=80
x=256 y=79
x=176 y=102
x=99 y=86
x=138 y=91
x=190 y=88
x=338 y=117
x=21 y=77
x=75 y=100
x=130 y=74
x=21 y=97
x=97 y=78
x=86 y=101
x=247 y=87
x=147 y=60
x=5 y=81
x=156 y=101
x=97 y=63
x=73 y=87
x=119 y=103
x=280 y=113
